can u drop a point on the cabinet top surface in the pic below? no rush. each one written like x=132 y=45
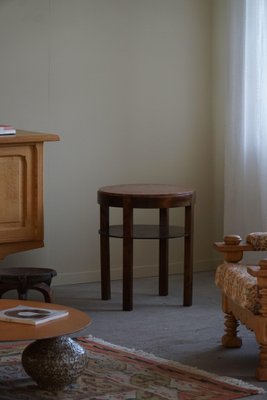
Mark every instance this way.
x=28 y=137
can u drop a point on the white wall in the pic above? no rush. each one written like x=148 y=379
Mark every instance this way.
x=127 y=85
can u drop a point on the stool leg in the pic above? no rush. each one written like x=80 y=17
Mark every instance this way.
x=5 y=288
x=22 y=295
x=105 y=253
x=188 y=255
x=46 y=291
x=127 y=255
x=163 y=254
x=22 y=288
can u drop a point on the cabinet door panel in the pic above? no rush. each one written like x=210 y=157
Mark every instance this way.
x=19 y=197
x=12 y=173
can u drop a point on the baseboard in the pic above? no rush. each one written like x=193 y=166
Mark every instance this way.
x=67 y=278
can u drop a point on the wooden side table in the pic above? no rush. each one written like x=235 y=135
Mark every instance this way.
x=157 y=196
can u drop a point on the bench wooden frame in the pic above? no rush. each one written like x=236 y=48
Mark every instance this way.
x=233 y=248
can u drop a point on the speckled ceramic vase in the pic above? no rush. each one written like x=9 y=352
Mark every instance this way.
x=54 y=363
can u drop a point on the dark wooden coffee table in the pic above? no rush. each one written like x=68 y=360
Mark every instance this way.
x=146 y=196
x=53 y=360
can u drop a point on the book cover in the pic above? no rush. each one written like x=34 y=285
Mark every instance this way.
x=7 y=130
x=31 y=315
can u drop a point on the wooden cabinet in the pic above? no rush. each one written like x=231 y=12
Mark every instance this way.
x=21 y=191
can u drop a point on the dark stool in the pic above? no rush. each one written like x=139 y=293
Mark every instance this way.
x=23 y=279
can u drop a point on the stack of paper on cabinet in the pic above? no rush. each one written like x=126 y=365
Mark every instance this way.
x=7 y=130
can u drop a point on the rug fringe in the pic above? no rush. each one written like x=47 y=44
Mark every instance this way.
x=225 y=379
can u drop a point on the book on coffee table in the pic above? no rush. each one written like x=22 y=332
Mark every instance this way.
x=31 y=315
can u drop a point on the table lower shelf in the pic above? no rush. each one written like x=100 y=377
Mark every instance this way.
x=147 y=232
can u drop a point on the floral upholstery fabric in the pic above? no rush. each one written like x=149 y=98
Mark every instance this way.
x=237 y=284
x=258 y=240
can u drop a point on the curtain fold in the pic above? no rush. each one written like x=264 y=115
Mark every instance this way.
x=245 y=203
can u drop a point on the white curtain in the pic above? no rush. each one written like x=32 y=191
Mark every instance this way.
x=246 y=136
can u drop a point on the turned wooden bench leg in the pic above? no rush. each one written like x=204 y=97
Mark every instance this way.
x=261 y=372
x=230 y=338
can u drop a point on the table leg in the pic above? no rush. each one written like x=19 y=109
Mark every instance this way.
x=54 y=363
x=5 y=287
x=105 y=253
x=46 y=291
x=188 y=255
x=163 y=254
x=127 y=255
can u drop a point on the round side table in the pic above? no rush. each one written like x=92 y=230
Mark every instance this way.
x=145 y=196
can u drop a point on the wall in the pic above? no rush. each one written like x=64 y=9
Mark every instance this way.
x=127 y=85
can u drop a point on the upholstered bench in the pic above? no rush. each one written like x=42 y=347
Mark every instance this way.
x=244 y=293
x=239 y=285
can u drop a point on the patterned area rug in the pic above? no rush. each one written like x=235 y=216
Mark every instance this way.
x=117 y=373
